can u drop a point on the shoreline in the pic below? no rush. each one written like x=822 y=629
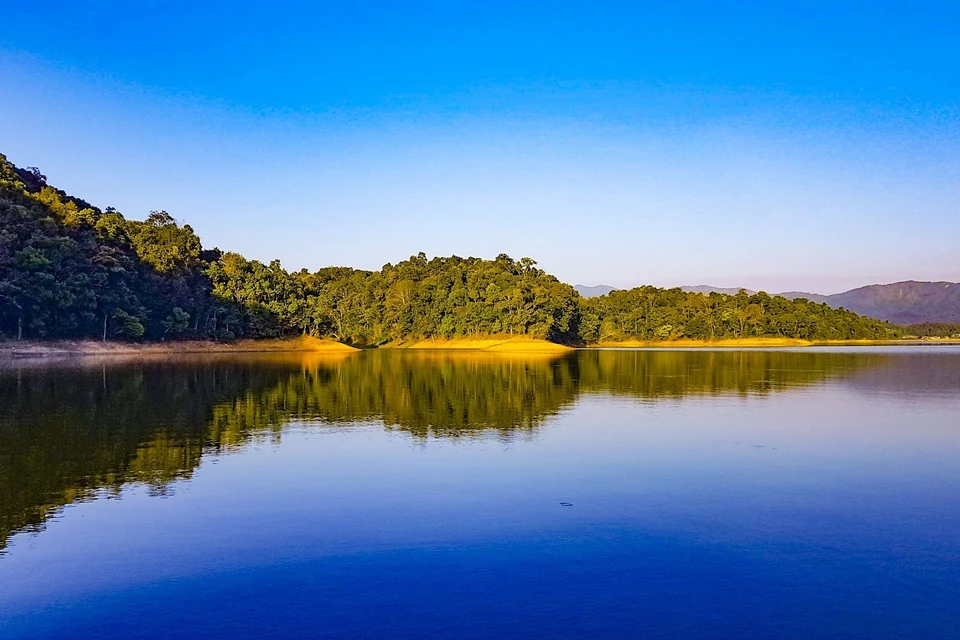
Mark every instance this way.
x=492 y=344
x=735 y=343
x=78 y=348
x=489 y=344
x=60 y=348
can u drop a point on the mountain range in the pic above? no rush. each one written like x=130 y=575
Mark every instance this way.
x=592 y=292
x=908 y=302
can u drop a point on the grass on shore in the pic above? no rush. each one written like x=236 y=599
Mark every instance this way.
x=763 y=342
x=725 y=342
x=493 y=344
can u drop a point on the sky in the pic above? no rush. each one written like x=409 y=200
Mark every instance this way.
x=809 y=146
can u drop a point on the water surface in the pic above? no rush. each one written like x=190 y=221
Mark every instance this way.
x=788 y=493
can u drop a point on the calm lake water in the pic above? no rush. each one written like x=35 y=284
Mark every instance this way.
x=735 y=494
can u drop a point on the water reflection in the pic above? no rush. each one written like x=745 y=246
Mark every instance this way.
x=74 y=430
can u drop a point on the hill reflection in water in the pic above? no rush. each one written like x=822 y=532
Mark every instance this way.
x=76 y=429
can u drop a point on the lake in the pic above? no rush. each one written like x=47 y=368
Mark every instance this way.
x=809 y=493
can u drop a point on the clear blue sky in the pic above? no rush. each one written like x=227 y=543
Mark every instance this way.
x=774 y=145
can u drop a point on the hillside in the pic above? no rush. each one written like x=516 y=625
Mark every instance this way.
x=908 y=302
x=652 y=314
x=903 y=303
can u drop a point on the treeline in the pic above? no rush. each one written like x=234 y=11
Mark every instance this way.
x=654 y=314
x=934 y=330
x=442 y=297
x=71 y=270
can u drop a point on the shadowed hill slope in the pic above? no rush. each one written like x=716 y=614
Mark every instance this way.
x=904 y=303
x=907 y=302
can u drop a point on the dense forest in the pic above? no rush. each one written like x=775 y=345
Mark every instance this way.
x=71 y=270
x=652 y=314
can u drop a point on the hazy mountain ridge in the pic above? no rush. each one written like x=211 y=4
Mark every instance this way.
x=705 y=288
x=907 y=302
x=592 y=292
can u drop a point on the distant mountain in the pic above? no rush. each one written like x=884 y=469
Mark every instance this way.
x=705 y=288
x=592 y=292
x=812 y=297
x=907 y=302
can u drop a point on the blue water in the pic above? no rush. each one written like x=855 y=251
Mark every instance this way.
x=825 y=504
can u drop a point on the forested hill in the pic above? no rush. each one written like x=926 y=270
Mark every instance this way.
x=652 y=314
x=71 y=270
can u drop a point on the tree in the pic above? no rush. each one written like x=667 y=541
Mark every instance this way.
x=68 y=269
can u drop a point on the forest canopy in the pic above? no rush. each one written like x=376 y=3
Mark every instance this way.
x=71 y=270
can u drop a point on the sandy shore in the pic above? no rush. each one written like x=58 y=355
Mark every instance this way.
x=734 y=343
x=494 y=344
x=730 y=342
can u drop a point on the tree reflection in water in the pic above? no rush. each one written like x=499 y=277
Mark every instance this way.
x=73 y=430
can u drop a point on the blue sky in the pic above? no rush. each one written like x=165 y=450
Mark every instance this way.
x=779 y=146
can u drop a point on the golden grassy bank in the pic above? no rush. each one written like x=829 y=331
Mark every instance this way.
x=492 y=344
x=689 y=342
x=734 y=343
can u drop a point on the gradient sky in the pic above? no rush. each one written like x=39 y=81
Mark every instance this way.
x=777 y=146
